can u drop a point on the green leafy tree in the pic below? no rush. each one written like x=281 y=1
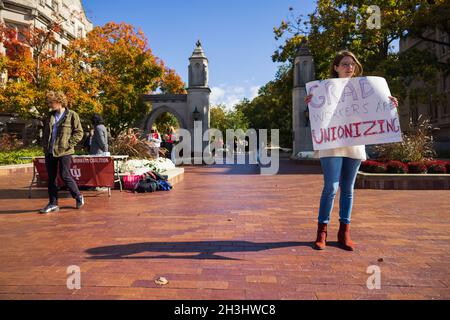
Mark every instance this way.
x=223 y=119
x=165 y=121
x=343 y=24
x=218 y=118
x=431 y=16
x=272 y=108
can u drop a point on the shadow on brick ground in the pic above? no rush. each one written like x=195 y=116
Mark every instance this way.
x=205 y=249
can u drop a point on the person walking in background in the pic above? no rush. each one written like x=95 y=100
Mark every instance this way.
x=172 y=135
x=99 y=145
x=340 y=166
x=170 y=140
x=62 y=132
x=165 y=144
x=154 y=139
x=131 y=136
x=88 y=141
x=173 y=140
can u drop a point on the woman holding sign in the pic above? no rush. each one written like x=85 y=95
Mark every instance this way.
x=340 y=166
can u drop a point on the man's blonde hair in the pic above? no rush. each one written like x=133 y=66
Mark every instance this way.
x=57 y=96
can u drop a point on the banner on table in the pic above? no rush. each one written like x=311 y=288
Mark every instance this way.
x=352 y=111
x=87 y=171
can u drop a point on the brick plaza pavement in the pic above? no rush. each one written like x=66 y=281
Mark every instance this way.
x=224 y=232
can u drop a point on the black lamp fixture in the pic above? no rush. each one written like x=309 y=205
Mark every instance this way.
x=196 y=114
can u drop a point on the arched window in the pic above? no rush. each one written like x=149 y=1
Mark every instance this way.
x=297 y=75
x=197 y=74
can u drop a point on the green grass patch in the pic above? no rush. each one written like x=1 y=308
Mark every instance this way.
x=13 y=157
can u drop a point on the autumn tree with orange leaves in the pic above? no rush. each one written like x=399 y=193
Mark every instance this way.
x=106 y=72
x=26 y=58
x=124 y=68
x=33 y=69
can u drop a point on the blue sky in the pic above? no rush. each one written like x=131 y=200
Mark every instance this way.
x=237 y=36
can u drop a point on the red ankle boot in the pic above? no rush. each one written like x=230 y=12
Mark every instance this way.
x=344 y=237
x=320 y=243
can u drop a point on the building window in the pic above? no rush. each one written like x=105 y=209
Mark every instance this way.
x=414 y=114
x=435 y=112
x=445 y=106
x=444 y=38
x=73 y=27
x=55 y=49
x=19 y=29
x=55 y=5
x=433 y=109
x=446 y=90
x=444 y=83
x=298 y=75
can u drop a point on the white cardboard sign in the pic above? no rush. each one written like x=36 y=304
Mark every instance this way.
x=352 y=111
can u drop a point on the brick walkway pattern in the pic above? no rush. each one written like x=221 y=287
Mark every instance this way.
x=224 y=232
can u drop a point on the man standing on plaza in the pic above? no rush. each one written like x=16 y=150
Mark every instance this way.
x=62 y=132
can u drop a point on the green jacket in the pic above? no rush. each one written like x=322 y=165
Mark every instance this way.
x=68 y=135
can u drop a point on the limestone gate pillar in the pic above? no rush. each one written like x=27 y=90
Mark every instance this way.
x=303 y=73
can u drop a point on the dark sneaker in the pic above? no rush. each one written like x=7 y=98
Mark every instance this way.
x=80 y=201
x=49 y=208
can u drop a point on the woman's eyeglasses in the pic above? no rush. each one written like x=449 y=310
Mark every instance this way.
x=346 y=65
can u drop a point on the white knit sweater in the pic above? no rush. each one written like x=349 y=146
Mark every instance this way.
x=354 y=152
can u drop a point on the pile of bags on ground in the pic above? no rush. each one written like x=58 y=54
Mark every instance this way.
x=146 y=175
x=150 y=181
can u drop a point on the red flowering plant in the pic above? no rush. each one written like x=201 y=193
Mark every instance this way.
x=395 y=166
x=417 y=167
x=436 y=166
x=373 y=166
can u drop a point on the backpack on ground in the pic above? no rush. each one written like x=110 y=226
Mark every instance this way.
x=146 y=185
x=164 y=185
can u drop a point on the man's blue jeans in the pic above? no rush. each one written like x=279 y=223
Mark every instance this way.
x=338 y=172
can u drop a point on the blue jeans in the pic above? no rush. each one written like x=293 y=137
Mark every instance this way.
x=338 y=172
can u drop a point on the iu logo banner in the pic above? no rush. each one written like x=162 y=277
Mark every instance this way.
x=75 y=172
x=87 y=171
x=352 y=111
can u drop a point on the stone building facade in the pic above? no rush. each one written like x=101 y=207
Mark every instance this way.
x=303 y=72
x=437 y=112
x=40 y=13
x=191 y=109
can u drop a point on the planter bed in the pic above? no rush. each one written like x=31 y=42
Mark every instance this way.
x=16 y=169
x=392 y=181
x=397 y=175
